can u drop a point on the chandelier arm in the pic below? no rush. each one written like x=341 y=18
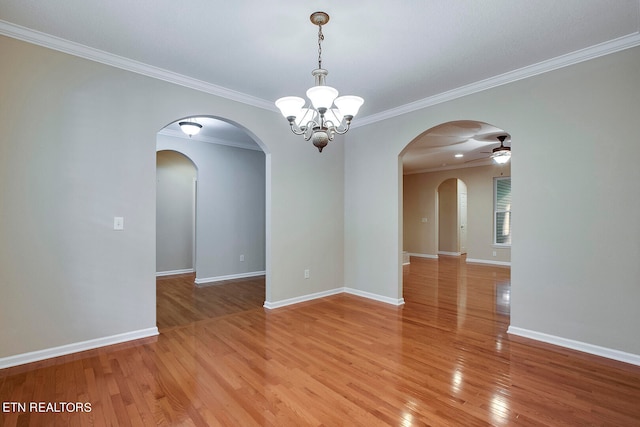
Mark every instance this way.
x=309 y=130
x=341 y=131
x=294 y=127
x=345 y=129
x=297 y=131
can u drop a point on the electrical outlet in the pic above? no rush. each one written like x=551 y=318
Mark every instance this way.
x=241 y=258
x=306 y=274
x=494 y=253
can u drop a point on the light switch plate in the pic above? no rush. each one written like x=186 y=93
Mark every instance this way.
x=118 y=223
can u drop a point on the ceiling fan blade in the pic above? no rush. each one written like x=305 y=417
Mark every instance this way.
x=481 y=159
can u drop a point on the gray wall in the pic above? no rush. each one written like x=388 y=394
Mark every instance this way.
x=68 y=281
x=175 y=212
x=88 y=155
x=230 y=219
x=575 y=174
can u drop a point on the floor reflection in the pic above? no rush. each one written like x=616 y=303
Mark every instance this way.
x=443 y=358
x=503 y=298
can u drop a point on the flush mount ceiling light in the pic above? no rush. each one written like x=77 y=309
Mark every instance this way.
x=501 y=154
x=190 y=127
x=320 y=121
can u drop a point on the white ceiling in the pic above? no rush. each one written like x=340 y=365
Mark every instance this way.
x=397 y=55
x=436 y=148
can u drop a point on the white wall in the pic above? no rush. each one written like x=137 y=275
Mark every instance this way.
x=68 y=280
x=230 y=218
x=576 y=238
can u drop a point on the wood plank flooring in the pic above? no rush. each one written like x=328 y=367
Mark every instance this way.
x=442 y=359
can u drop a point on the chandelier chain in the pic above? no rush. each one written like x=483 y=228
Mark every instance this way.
x=320 y=38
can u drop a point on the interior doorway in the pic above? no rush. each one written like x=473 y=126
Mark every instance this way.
x=176 y=200
x=457 y=150
x=452 y=217
x=229 y=198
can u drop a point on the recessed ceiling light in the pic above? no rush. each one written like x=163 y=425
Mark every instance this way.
x=459 y=155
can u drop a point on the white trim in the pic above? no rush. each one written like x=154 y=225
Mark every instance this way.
x=56 y=43
x=423 y=255
x=35 y=356
x=204 y=280
x=449 y=253
x=592 y=52
x=596 y=350
x=488 y=261
x=296 y=300
x=174 y=272
x=42 y=39
x=323 y=294
x=375 y=297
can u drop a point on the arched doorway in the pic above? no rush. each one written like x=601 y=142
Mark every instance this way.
x=230 y=217
x=459 y=151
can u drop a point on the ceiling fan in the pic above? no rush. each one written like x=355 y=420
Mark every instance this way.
x=500 y=155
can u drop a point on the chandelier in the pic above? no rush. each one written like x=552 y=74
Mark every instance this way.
x=320 y=121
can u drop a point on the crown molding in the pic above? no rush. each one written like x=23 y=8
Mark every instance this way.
x=76 y=49
x=592 y=52
x=56 y=43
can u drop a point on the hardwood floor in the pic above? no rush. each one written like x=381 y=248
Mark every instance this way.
x=444 y=358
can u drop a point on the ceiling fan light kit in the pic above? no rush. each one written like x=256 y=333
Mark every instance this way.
x=501 y=154
x=320 y=121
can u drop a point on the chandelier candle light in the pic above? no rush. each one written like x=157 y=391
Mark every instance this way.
x=321 y=121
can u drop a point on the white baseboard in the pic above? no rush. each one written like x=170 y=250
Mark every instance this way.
x=596 y=350
x=376 y=297
x=317 y=295
x=423 y=255
x=35 y=356
x=204 y=280
x=469 y=260
x=488 y=261
x=173 y=272
x=303 y=298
